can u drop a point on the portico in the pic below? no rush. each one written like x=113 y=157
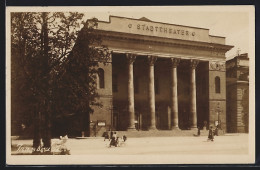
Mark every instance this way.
x=162 y=78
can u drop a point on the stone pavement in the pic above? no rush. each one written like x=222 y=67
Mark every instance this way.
x=226 y=144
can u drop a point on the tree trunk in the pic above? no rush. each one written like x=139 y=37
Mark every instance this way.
x=46 y=81
x=37 y=136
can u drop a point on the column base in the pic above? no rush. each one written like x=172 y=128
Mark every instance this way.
x=193 y=128
x=131 y=129
x=152 y=129
x=175 y=128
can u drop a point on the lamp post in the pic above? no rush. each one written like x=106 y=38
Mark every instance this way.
x=218 y=111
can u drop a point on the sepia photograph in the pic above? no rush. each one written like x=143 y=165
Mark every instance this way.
x=113 y=85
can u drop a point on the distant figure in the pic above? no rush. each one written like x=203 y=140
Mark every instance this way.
x=198 y=131
x=114 y=140
x=111 y=134
x=114 y=135
x=211 y=135
x=105 y=135
x=216 y=130
x=124 y=138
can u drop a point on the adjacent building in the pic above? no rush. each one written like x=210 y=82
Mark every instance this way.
x=238 y=94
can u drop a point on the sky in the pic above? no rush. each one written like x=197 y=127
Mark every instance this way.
x=233 y=22
x=236 y=23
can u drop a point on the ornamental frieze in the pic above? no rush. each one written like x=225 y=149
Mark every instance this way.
x=217 y=53
x=217 y=66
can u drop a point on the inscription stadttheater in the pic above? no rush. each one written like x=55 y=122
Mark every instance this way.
x=166 y=30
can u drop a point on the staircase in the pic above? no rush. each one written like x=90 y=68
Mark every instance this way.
x=162 y=133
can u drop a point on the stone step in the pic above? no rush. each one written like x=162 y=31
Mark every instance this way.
x=161 y=133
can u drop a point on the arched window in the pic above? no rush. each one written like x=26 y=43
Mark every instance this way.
x=101 y=78
x=217 y=84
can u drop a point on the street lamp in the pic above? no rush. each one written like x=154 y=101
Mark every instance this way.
x=218 y=111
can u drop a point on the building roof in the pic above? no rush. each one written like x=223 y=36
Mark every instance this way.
x=145 y=19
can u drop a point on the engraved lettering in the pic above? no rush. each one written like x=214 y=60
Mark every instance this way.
x=143 y=26
x=163 y=29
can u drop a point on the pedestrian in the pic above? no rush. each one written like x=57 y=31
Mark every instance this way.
x=124 y=138
x=113 y=140
x=111 y=134
x=211 y=135
x=198 y=131
x=114 y=135
x=216 y=130
x=105 y=135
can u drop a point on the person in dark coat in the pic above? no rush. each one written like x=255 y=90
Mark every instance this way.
x=211 y=135
x=216 y=130
x=113 y=141
x=105 y=135
x=111 y=134
x=198 y=131
x=124 y=138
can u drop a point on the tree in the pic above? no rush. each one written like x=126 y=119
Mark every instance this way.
x=49 y=79
x=77 y=76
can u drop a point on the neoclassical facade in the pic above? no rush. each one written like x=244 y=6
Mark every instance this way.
x=160 y=76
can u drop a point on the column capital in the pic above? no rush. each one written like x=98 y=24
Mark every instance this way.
x=130 y=58
x=194 y=63
x=151 y=60
x=175 y=62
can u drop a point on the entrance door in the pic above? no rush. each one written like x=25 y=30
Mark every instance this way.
x=115 y=123
x=137 y=121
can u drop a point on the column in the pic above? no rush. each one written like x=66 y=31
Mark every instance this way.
x=151 y=92
x=193 y=107
x=169 y=117
x=174 y=93
x=130 y=91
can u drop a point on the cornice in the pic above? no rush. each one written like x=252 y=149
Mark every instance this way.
x=166 y=41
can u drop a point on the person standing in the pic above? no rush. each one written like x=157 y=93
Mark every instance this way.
x=105 y=135
x=198 y=131
x=211 y=135
x=111 y=134
x=216 y=130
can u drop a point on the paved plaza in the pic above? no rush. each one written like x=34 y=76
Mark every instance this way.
x=229 y=148
x=164 y=145
x=227 y=144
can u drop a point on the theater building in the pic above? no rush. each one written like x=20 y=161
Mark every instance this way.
x=160 y=76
